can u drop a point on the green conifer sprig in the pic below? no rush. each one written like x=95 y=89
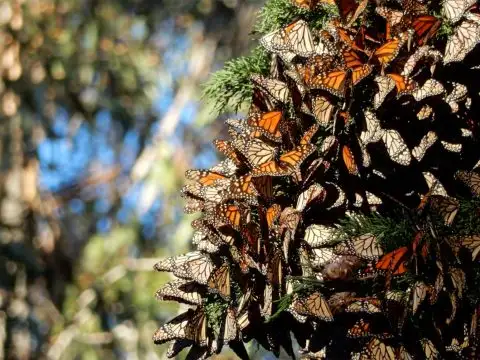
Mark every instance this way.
x=392 y=232
x=230 y=88
x=278 y=13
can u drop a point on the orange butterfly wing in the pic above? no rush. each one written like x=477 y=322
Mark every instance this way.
x=227 y=149
x=269 y=123
x=403 y=85
x=333 y=82
x=388 y=51
x=273 y=212
x=425 y=27
x=205 y=178
x=349 y=160
x=394 y=261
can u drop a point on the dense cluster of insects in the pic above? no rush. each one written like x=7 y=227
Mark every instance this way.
x=375 y=111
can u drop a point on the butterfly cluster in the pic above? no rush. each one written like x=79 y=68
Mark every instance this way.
x=375 y=110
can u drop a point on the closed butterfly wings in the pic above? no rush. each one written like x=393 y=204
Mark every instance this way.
x=295 y=38
x=385 y=85
x=453 y=10
x=182 y=291
x=430 y=88
x=394 y=143
x=463 y=40
x=426 y=142
x=191 y=325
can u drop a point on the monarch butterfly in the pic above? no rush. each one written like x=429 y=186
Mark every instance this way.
x=458 y=278
x=264 y=186
x=397 y=296
x=341 y=198
x=312 y=193
x=360 y=329
x=208 y=246
x=358 y=200
x=471 y=179
x=459 y=93
x=434 y=185
x=366 y=159
x=255 y=150
x=348 y=38
x=427 y=141
x=193 y=205
x=394 y=261
x=230 y=327
x=272 y=214
x=373 y=132
x=187 y=292
x=359 y=69
x=275 y=268
x=332 y=81
x=373 y=200
x=396 y=147
x=423 y=52
x=431 y=87
x=267 y=124
x=349 y=160
x=190 y=325
x=393 y=17
x=424 y=112
x=380 y=351
x=226 y=148
x=385 y=86
x=322 y=110
x=319 y=235
x=225 y=213
x=266 y=308
x=223 y=234
x=425 y=27
x=456 y=148
x=295 y=38
x=311 y=4
x=431 y=352
x=403 y=84
x=472 y=243
x=212 y=194
x=403 y=354
x=226 y=167
x=288 y=162
x=456 y=347
x=419 y=293
x=313 y=305
x=367 y=305
x=276 y=89
x=325 y=45
x=343 y=248
x=321 y=257
x=453 y=10
x=350 y=10
x=366 y=247
x=176 y=346
x=204 y=177
x=174 y=262
x=241 y=188
x=465 y=38
x=219 y=281
x=386 y=53
x=198 y=270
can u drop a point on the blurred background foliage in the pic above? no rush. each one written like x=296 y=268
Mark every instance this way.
x=100 y=116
